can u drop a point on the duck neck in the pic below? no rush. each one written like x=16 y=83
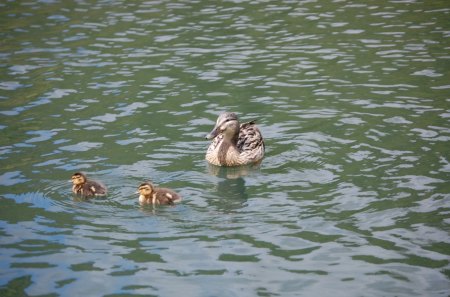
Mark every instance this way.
x=142 y=199
x=228 y=153
x=77 y=188
x=147 y=199
x=234 y=139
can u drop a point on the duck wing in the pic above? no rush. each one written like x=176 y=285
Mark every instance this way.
x=250 y=138
x=167 y=196
x=95 y=188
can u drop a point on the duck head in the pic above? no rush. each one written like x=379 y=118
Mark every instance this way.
x=78 y=179
x=145 y=191
x=227 y=124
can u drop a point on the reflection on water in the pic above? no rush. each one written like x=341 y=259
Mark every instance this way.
x=234 y=172
x=352 y=195
x=233 y=192
x=231 y=185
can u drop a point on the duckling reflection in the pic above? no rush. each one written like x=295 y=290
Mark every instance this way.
x=85 y=187
x=149 y=194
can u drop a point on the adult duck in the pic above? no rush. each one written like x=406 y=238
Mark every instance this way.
x=234 y=144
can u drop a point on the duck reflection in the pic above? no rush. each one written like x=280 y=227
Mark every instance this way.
x=231 y=188
x=233 y=172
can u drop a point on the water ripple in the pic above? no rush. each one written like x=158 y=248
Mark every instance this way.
x=352 y=192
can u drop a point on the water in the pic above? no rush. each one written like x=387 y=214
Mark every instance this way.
x=352 y=198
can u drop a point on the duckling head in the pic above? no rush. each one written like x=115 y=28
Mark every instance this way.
x=78 y=179
x=145 y=191
x=228 y=125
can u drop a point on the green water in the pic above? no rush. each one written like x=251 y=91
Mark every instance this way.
x=352 y=198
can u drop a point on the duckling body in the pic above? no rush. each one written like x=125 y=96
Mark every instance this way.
x=149 y=194
x=87 y=188
x=234 y=144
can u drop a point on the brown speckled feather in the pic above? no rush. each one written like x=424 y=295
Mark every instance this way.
x=250 y=137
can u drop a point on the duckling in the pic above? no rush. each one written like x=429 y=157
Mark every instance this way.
x=149 y=194
x=86 y=188
x=234 y=144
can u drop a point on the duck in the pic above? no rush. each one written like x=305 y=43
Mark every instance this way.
x=85 y=187
x=149 y=194
x=234 y=144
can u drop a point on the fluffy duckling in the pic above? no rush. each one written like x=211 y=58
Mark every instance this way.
x=234 y=144
x=149 y=194
x=86 y=188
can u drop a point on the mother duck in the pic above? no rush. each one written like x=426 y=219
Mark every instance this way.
x=234 y=144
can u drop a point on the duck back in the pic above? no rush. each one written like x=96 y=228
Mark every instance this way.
x=90 y=188
x=166 y=196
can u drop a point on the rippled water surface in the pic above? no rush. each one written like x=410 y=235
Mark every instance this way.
x=352 y=97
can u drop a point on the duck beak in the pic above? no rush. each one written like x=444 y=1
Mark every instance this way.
x=213 y=133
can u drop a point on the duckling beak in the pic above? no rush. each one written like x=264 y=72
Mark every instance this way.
x=213 y=133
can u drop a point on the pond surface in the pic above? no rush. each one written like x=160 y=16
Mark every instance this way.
x=352 y=198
